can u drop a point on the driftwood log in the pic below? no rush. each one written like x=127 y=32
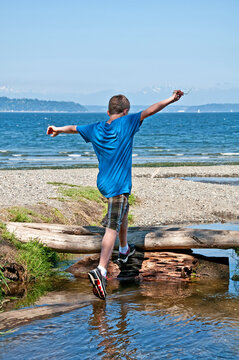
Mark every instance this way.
x=158 y=266
x=77 y=239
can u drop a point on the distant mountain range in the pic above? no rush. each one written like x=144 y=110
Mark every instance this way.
x=177 y=108
x=35 y=105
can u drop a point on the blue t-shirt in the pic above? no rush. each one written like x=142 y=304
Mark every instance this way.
x=113 y=144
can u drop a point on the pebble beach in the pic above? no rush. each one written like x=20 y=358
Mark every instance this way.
x=164 y=197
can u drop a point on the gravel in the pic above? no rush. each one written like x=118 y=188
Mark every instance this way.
x=163 y=200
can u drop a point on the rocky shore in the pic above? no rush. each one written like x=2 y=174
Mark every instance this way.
x=164 y=197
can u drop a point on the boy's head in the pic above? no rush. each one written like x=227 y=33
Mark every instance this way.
x=118 y=104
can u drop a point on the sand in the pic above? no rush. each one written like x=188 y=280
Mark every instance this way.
x=164 y=198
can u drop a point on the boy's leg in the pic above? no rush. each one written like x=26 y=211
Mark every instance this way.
x=116 y=221
x=97 y=276
x=108 y=241
x=123 y=231
x=107 y=246
x=125 y=250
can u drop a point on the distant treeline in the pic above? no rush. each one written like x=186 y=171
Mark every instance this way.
x=205 y=108
x=7 y=104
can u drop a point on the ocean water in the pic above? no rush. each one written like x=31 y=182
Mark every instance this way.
x=165 y=137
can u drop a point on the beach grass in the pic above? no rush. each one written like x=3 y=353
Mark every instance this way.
x=23 y=214
x=78 y=192
x=88 y=193
x=37 y=258
x=3 y=281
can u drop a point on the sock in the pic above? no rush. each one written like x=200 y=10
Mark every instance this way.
x=102 y=270
x=124 y=249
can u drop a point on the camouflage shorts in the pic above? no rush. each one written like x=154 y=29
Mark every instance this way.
x=118 y=206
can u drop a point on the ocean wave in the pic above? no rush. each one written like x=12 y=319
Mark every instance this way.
x=16 y=159
x=74 y=155
x=40 y=159
x=229 y=154
x=5 y=153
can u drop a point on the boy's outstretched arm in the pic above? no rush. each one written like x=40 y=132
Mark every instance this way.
x=153 y=109
x=54 y=130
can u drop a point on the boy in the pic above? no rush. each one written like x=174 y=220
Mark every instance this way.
x=113 y=142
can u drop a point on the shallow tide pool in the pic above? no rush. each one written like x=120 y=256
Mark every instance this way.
x=138 y=321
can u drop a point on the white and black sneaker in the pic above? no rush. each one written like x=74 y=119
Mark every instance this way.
x=124 y=257
x=99 y=283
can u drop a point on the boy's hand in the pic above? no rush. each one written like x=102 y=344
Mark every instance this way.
x=53 y=131
x=177 y=94
x=153 y=109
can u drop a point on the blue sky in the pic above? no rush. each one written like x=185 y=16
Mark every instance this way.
x=72 y=48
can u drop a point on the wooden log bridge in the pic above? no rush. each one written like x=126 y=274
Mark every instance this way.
x=87 y=239
x=154 y=259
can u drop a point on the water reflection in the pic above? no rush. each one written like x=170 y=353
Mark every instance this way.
x=171 y=320
x=138 y=321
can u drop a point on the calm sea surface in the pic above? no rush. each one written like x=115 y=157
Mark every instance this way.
x=180 y=137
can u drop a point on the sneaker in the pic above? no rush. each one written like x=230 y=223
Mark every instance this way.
x=124 y=257
x=99 y=283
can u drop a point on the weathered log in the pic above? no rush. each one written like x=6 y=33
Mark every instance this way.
x=14 y=318
x=158 y=266
x=78 y=239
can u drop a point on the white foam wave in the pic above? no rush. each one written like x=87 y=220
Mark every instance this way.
x=74 y=155
x=230 y=154
x=134 y=154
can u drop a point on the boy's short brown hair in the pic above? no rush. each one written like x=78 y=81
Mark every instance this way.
x=118 y=104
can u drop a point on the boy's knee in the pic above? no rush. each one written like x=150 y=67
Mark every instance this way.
x=110 y=232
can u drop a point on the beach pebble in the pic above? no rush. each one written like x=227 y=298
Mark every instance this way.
x=164 y=197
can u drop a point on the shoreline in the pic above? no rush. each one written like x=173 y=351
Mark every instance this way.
x=164 y=197
x=136 y=165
